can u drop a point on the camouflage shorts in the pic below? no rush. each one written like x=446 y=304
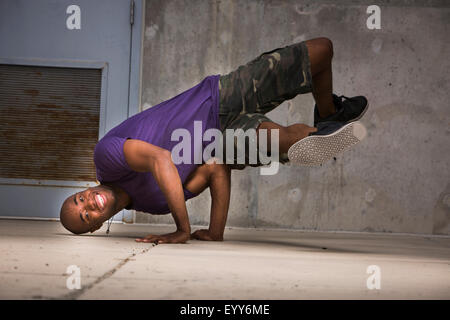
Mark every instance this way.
x=261 y=85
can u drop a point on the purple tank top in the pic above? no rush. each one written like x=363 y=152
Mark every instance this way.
x=155 y=125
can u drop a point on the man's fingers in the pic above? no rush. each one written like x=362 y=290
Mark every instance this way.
x=149 y=238
x=163 y=240
x=175 y=237
x=201 y=235
x=195 y=235
x=171 y=240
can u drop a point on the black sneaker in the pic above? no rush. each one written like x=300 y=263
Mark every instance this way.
x=351 y=109
x=330 y=139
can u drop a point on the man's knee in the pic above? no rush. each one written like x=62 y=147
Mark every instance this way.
x=325 y=45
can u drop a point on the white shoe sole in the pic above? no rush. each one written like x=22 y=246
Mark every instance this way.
x=316 y=150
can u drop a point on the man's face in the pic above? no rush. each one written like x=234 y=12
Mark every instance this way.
x=87 y=210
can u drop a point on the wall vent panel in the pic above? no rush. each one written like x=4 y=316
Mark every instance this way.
x=49 y=122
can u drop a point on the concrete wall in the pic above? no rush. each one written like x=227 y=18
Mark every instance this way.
x=397 y=180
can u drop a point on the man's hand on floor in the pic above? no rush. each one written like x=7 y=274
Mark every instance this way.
x=174 y=237
x=205 y=234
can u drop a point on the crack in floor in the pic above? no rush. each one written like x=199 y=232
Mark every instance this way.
x=77 y=293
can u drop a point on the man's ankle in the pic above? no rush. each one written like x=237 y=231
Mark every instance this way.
x=326 y=112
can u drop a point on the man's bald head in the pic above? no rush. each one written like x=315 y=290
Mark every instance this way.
x=87 y=210
x=70 y=217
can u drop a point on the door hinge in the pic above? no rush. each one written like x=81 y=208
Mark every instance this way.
x=132 y=12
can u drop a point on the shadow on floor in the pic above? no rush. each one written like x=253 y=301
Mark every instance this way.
x=297 y=245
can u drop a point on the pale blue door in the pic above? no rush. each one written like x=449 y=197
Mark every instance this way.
x=76 y=65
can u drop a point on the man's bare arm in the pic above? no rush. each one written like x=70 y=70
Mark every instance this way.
x=144 y=157
x=218 y=178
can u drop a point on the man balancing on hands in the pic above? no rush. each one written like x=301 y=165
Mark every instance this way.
x=135 y=160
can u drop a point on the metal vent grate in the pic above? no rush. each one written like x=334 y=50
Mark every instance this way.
x=49 y=122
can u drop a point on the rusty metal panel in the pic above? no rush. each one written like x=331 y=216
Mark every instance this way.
x=49 y=122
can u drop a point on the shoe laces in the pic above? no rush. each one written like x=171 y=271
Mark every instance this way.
x=346 y=98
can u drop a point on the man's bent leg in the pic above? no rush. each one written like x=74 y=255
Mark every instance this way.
x=320 y=51
x=329 y=106
x=306 y=145
x=264 y=83
x=287 y=135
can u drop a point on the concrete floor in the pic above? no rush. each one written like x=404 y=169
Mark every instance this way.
x=250 y=264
